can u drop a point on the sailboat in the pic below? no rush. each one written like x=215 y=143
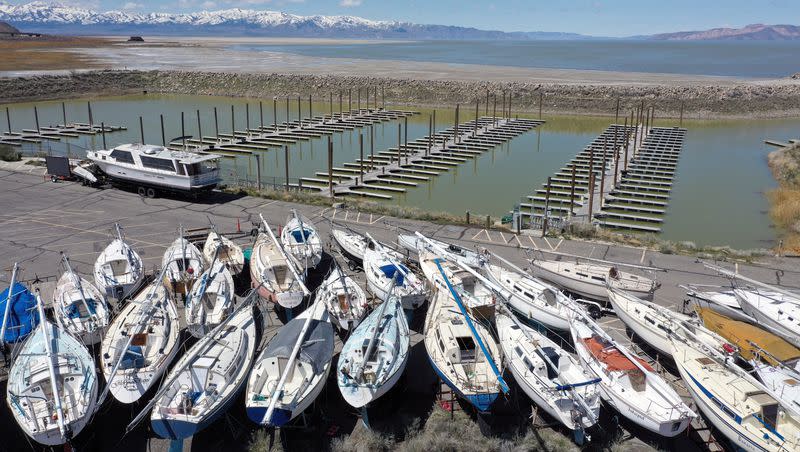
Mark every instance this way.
x=292 y=369
x=375 y=355
x=301 y=240
x=589 y=279
x=777 y=311
x=140 y=343
x=628 y=384
x=735 y=403
x=477 y=298
x=52 y=385
x=414 y=245
x=532 y=298
x=227 y=252
x=19 y=311
x=462 y=351
x=344 y=299
x=204 y=383
x=380 y=266
x=774 y=360
x=549 y=375
x=185 y=263
x=118 y=270
x=722 y=301
x=79 y=307
x=210 y=301
x=273 y=274
x=351 y=243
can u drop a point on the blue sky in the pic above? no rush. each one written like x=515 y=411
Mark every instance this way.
x=595 y=17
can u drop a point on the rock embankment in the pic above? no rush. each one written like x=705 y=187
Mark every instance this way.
x=780 y=98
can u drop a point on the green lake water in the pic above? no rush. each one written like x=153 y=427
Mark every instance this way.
x=717 y=198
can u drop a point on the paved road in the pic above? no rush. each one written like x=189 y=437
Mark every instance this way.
x=39 y=219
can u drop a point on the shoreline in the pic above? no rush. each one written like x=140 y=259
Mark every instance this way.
x=780 y=99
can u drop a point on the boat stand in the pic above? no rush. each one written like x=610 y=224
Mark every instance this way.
x=365 y=417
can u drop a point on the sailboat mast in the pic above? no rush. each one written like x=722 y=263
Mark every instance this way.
x=736 y=275
x=8 y=302
x=283 y=253
x=302 y=234
x=48 y=347
x=374 y=337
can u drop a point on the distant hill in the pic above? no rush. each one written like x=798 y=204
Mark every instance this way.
x=754 y=32
x=6 y=28
x=55 y=18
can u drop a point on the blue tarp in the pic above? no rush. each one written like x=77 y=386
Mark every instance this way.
x=133 y=359
x=23 y=316
x=389 y=271
x=74 y=313
x=300 y=236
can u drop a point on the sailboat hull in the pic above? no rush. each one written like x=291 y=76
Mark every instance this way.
x=482 y=402
x=359 y=396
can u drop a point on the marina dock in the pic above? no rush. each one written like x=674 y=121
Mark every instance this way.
x=379 y=175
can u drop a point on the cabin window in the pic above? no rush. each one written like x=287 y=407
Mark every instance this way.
x=582 y=274
x=191 y=170
x=550 y=297
x=158 y=164
x=598 y=278
x=528 y=364
x=518 y=350
x=122 y=156
x=466 y=347
x=769 y=414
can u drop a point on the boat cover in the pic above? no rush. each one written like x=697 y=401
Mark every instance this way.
x=614 y=360
x=22 y=316
x=390 y=269
x=744 y=335
x=317 y=350
x=301 y=235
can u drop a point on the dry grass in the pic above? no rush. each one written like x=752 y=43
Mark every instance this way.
x=785 y=200
x=47 y=53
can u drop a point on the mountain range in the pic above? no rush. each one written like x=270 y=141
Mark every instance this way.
x=57 y=18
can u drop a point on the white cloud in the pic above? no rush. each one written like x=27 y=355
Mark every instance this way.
x=131 y=5
x=350 y=3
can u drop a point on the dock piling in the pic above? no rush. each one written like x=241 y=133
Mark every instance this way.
x=286 y=164
x=571 y=193
x=141 y=129
x=361 y=155
x=287 y=112
x=430 y=135
x=603 y=171
x=627 y=141
x=91 y=118
x=372 y=143
x=216 y=124
x=681 y=117
x=399 y=143
x=261 y=114
x=299 y=111
x=64 y=113
x=591 y=196
x=36 y=118
x=358 y=90
x=199 y=128
x=330 y=166
x=405 y=137
x=616 y=112
x=310 y=110
x=541 y=99
x=247 y=118
x=258 y=171
x=103 y=133
x=494 y=112
x=233 y=124
x=546 y=207
x=455 y=137
x=350 y=101
x=274 y=113
x=163 y=137
x=8 y=119
x=477 y=113
x=183 y=132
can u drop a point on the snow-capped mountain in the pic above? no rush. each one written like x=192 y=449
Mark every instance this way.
x=52 y=17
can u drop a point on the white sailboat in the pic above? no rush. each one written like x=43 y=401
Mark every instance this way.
x=589 y=279
x=228 y=253
x=210 y=301
x=461 y=351
x=628 y=384
x=777 y=311
x=344 y=299
x=140 y=343
x=185 y=263
x=204 y=383
x=351 y=243
x=735 y=403
x=79 y=307
x=118 y=270
x=292 y=369
x=380 y=266
x=550 y=376
x=52 y=385
x=414 y=245
x=375 y=355
x=722 y=301
x=477 y=298
x=532 y=298
x=301 y=241
x=274 y=275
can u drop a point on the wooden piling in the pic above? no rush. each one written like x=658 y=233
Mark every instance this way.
x=8 y=119
x=163 y=137
x=546 y=215
x=287 y=112
x=541 y=100
x=361 y=155
x=340 y=104
x=286 y=164
x=616 y=112
x=591 y=196
x=216 y=124
x=299 y=111
x=494 y=111
x=467 y=215
x=455 y=137
x=330 y=166
x=399 y=143
x=258 y=171
x=199 y=129
x=603 y=171
x=405 y=137
x=261 y=114
x=627 y=142
x=434 y=127
x=477 y=112
x=183 y=133
x=503 y=106
x=36 y=118
x=372 y=145
x=247 y=118
x=141 y=129
x=572 y=193
x=233 y=124
x=349 y=101
x=91 y=118
x=487 y=103
x=103 y=133
x=274 y=113
x=310 y=110
x=358 y=95
x=331 y=104
x=681 y=120
x=430 y=135
x=64 y=113
x=383 y=95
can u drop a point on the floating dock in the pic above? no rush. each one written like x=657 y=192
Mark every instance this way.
x=55 y=133
x=265 y=138
x=382 y=174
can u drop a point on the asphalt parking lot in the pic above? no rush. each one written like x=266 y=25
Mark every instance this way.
x=39 y=219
